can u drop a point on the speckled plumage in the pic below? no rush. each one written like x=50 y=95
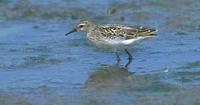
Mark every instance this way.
x=114 y=36
x=121 y=32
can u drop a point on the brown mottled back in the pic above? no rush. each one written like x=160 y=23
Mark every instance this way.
x=116 y=31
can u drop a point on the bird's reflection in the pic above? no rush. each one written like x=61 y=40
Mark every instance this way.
x=109 y=76
x=112 y=77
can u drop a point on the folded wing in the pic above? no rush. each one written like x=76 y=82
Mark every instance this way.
x=122 y=32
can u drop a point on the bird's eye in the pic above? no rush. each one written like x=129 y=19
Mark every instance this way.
x=81 y=26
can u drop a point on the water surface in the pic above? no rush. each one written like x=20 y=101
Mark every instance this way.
x=41 y=66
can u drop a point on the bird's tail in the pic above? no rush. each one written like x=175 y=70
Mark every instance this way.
x=146 y=31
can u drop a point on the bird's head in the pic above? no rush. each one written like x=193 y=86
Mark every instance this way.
x=82 y=26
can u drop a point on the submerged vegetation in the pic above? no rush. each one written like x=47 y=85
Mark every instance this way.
x=24 y=9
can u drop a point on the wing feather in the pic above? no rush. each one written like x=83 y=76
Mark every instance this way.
x=116 y=31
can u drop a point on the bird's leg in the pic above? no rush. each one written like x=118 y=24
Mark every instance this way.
x=130 y=58
x=117 y=58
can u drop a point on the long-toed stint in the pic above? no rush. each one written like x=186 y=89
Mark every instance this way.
x=114 y=36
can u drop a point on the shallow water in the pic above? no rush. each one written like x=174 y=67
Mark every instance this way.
x=41 y=66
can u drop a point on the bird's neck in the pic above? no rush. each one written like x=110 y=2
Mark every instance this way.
x=90 y=28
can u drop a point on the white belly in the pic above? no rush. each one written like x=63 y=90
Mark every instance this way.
x=117 y=44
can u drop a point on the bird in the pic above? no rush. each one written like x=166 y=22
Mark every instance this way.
x=115 y=37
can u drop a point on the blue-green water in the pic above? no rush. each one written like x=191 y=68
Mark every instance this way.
x=39 y=65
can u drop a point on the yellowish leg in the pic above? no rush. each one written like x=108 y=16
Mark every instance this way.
x=130 y=58
x=117 y=57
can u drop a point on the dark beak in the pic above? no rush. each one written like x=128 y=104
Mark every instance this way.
x=74 y=30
